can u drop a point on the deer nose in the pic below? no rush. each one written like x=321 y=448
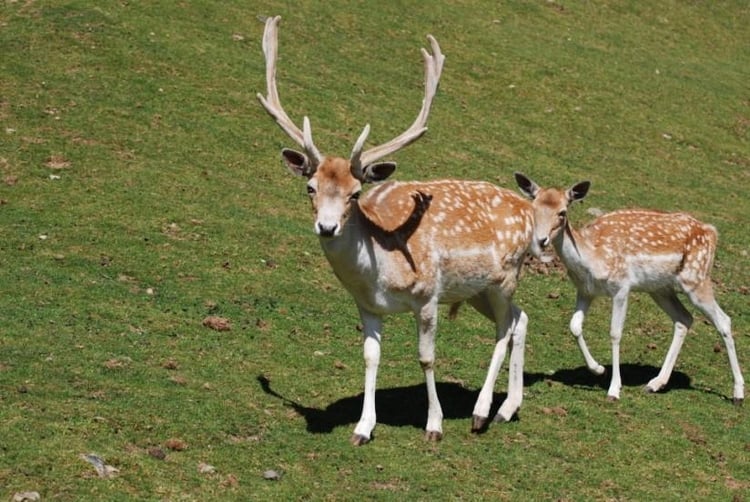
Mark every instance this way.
x=327 y=230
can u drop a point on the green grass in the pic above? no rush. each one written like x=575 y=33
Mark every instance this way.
x=142 y=192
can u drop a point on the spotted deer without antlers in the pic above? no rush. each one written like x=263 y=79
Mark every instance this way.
x=633 y=250
x=409 y=246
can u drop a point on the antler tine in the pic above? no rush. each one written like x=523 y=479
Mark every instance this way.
x=354 y=159
x=272 y=103
x=433 y=67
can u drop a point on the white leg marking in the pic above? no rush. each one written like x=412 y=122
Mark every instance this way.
x=723 y=324
x=576 y=327
x=502 y=336
x=372 y=328
x=619 y=309
x=427 y=327
x=682 y=320
x=515 y=371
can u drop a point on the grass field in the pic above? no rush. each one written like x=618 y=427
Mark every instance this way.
x=141 y=192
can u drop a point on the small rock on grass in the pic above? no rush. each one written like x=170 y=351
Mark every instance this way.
x=205 y=468
x=217 y=323
x=26 y=497
x=104 y=470
x=271 y=475
x=175 y=444
x=157 y=453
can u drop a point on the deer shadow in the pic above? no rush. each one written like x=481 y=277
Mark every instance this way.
x=397 y=406
x=407 y=406
x=633 y=375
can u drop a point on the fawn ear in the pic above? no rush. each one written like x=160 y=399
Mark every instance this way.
x=528 y=187
x=377 y=171
x=297 y=162
x=578 y=191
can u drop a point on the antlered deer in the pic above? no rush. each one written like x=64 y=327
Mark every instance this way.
x=633 y=250
x=409 y=246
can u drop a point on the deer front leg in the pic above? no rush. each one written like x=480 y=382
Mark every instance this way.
x=619 y=309
x=515 y=367
x=484 y=401
x=576 y=327
x=372 y=326
x=495 y=306
x=427 y=327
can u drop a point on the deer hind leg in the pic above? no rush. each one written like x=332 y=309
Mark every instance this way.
x=583 y=303
x=682 y=320
x=372 y=327
x=619 y=309
x=427 y=328
x=703 y=298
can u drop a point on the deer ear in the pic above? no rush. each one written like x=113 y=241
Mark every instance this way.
x=297 y=162
x=378 y=171
x=528 y=187
x=578 y=191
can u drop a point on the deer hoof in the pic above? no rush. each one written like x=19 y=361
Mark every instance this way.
x=358 y=440
x=433 y=436
x=737 y=401
x=502 y=419
x=478 y=424
x=612 y=399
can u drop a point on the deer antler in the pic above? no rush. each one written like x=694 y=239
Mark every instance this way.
x=433 y=67
x=272 y=104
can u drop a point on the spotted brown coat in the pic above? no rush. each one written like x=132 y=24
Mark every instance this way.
x=410 y=246
x=633 y=250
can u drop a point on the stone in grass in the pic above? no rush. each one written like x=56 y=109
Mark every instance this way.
x=205 y=468
x=102 y=469
x=26 y=497
x=217 y=323
x=175 y=444
x=271 y=475
x=157 y=453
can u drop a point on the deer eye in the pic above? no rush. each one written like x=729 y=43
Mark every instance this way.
x=310 y=190
x=355 y=195
x=562 y=214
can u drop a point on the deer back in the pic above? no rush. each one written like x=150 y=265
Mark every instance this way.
x=651 y=246
x=448 y=238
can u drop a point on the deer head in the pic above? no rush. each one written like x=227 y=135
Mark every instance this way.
x=550 y=209
x=334 y=183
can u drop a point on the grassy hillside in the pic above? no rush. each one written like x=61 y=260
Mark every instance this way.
x=141 y=192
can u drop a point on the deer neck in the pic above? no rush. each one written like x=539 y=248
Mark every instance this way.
x=568 y=245
x=350 y=253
